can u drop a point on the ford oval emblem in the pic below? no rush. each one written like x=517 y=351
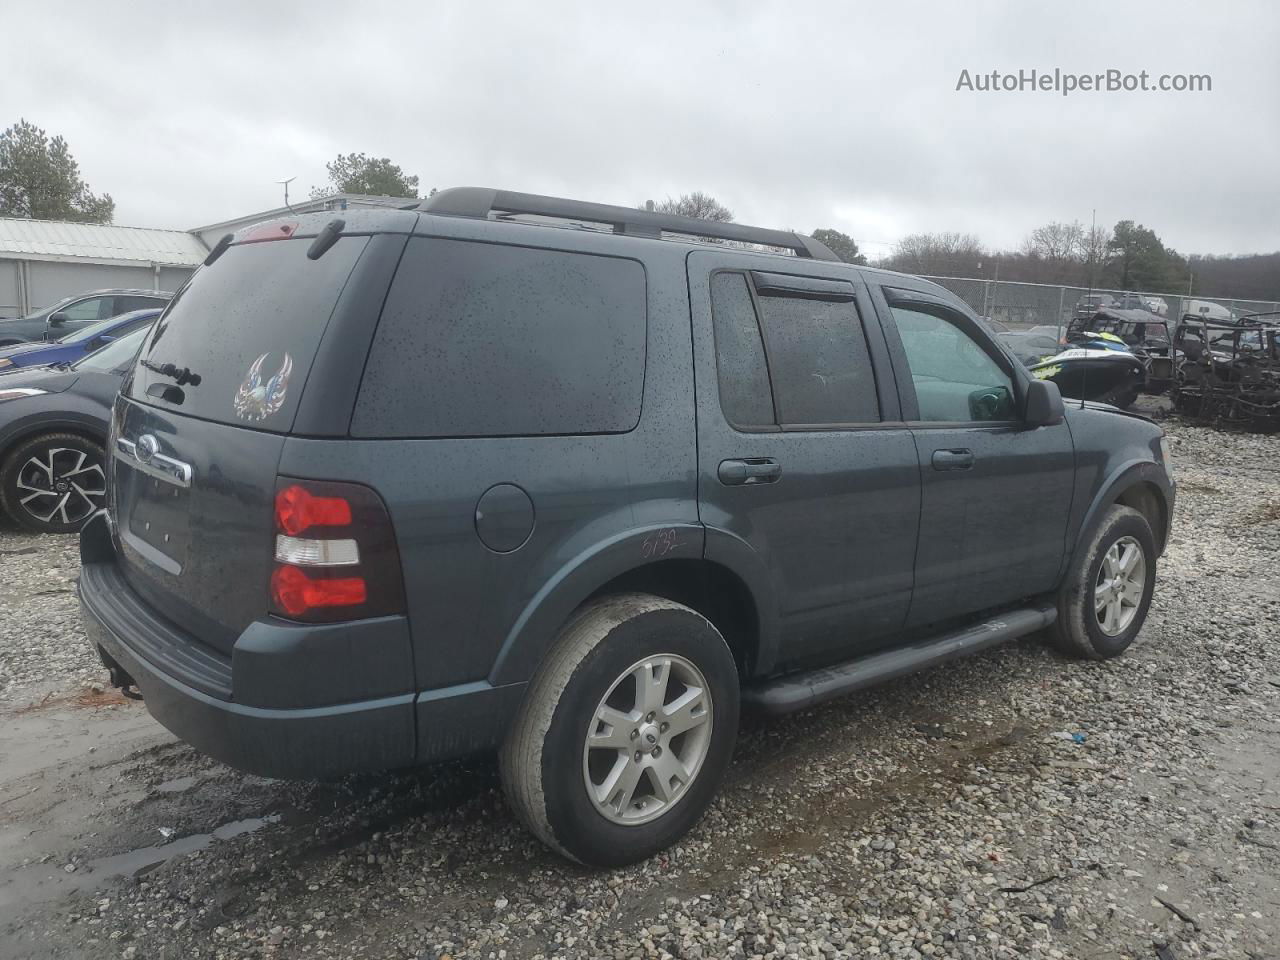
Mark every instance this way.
x=148 y=447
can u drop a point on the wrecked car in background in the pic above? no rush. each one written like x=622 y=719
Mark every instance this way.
x=1145 y=334
x=1228 y=372
x=1090 y=304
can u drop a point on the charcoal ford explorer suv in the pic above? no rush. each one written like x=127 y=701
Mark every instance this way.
x=550 y=478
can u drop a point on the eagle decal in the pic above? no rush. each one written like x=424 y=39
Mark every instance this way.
x=258 y=399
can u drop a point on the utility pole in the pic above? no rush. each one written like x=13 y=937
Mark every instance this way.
x=1093 y=249
x=995 y=289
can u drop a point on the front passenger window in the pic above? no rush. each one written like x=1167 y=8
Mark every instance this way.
x=955 y=380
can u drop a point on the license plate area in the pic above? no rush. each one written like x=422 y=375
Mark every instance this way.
x=159 y=518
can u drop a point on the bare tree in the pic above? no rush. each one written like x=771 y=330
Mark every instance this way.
x=1096 y=254
x=701 y=206
x=1253 y=276
x=938 y=254
x=1058 y=242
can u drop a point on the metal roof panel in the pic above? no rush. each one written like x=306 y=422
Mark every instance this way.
x=94 y=241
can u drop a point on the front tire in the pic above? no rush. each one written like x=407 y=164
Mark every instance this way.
x=53 y=483
x=625 y=732
x=1105 y=597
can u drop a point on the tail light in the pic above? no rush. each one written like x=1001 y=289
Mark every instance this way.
x=335 y=553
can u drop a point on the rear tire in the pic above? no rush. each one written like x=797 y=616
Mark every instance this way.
x=592 y=789
x=53 y=483
x=1105 y=597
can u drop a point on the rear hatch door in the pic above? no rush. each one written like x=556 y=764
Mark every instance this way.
x=198 y=430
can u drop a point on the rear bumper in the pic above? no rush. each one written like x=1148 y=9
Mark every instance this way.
x=189 y=689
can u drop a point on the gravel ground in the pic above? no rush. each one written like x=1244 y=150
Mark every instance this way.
x=41 y=644
x=1015 y=804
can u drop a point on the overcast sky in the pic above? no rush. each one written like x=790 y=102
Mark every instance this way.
x=794 y=115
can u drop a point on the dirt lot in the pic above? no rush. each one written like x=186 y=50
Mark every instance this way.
x=1012 y=805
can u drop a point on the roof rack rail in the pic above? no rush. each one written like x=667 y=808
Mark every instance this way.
x=479 y=202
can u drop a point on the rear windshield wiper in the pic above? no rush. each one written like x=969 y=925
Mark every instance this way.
x=182 y=375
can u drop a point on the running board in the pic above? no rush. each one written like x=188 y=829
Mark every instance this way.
x=799 y=690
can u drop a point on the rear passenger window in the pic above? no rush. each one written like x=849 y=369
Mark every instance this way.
x=126 y=304
x=480 y=339
x=818 y=361
x=740 y=365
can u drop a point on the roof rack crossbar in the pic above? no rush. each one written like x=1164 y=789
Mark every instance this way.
x=479 y=202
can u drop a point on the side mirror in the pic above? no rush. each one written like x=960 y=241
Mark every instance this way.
x=98 y=342
x=58 y=319
x=1043 y=404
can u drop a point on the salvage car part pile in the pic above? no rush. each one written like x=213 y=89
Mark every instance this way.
x=1228 y=373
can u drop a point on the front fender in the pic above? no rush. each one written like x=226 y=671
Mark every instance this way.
x=539 y=623
x=1121 y=478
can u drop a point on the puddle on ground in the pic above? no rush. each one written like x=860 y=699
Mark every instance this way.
x=48 y=881
x=178 y=785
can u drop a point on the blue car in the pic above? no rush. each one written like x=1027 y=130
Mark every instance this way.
x=76 y=345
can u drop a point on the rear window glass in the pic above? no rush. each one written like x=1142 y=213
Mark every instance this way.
x=248 y=325
x=482 y=339
x=745 y=394
x=819 y=362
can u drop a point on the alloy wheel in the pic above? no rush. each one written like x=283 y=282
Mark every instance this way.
x=647 y=739
x=1121 y=584
x=61 y=485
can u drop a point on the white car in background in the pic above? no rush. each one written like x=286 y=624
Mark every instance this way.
x=1157 y=305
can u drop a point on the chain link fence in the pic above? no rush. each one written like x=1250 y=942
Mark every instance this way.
x=1024 y=305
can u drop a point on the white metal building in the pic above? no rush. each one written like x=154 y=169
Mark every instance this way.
x=42 y=261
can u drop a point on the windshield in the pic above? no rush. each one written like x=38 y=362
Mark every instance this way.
x=116 y=355
x=45 y=311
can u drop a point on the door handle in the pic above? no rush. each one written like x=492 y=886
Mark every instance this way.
x=734 y=473
x=958 y=459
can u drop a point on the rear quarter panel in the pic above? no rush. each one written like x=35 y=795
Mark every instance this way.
x=476 y=614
